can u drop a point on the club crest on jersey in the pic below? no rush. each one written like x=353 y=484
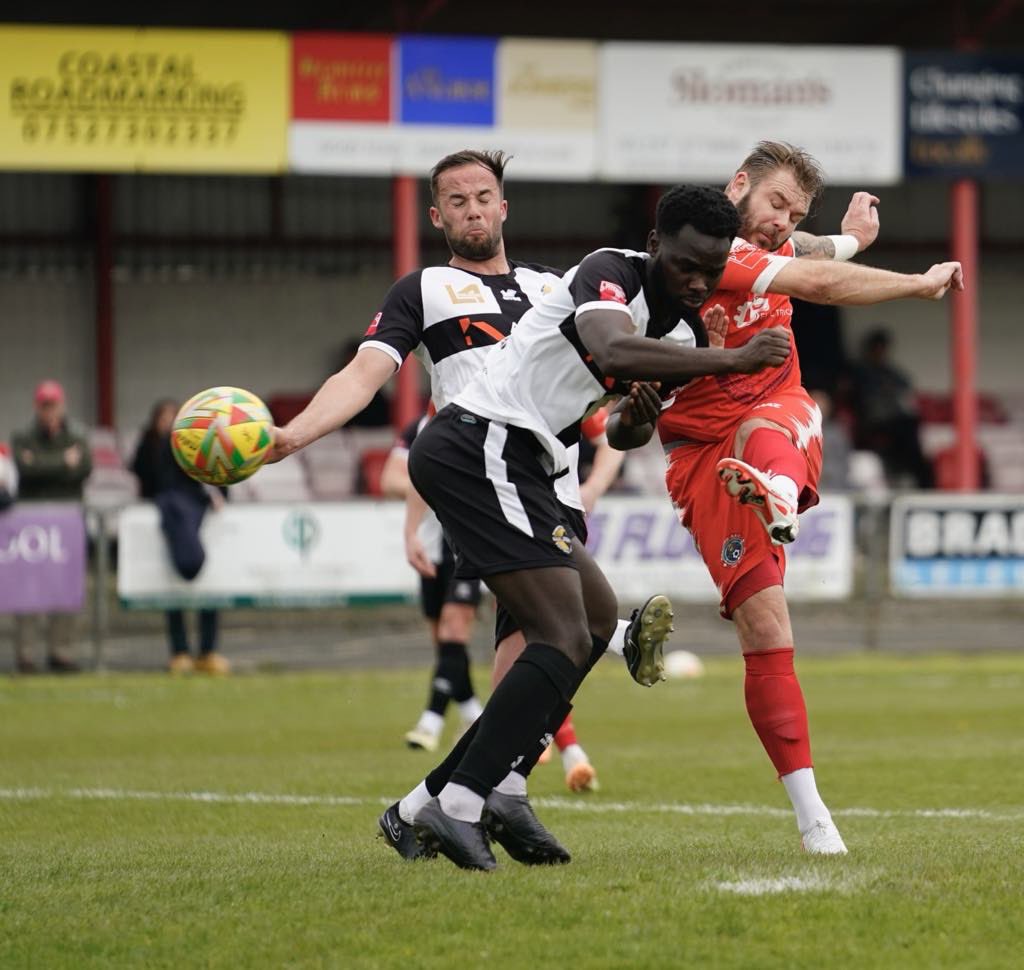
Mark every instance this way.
x=732 y=551
x=511 y=295
x=372 y=328
x=467 y=294
x=612 y=291
x=561 y=539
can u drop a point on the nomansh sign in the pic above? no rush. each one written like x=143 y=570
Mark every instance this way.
x=341 y=77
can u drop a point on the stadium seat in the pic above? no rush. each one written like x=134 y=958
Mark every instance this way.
x=371 y=464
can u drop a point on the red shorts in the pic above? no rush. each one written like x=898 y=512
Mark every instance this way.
x=732 y=541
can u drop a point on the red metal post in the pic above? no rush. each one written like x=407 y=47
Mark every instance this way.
x=103 y=280
x=405 y=215
x=964 y=319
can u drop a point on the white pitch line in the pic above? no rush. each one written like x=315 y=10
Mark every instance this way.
x=558 y=804
x=783 y=884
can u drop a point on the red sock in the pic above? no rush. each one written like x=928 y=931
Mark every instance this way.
x=776 y=707
x=566 y=734
x=773 y=452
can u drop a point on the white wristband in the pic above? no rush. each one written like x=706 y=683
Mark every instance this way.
x=846 y=247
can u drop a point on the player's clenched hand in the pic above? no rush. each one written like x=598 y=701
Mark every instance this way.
x=716 y=323
x=642 y=406
x=941 y=278
x=769 y=348
x=418 y=558
x=861 y=219
x=279 y=449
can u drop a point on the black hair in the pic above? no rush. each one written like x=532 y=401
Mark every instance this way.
x=708 y=210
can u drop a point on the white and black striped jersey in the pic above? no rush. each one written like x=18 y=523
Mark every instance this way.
x=542 y=378
x=452 y=319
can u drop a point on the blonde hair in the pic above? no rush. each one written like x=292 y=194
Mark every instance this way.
x=769 y=156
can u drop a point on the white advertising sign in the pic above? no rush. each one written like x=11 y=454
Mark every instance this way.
x=678 y=112
x=642 y=548
x=271 y=555
x=943 y=545
x=332 y=553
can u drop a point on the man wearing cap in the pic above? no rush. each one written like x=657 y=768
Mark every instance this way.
x=53 y=462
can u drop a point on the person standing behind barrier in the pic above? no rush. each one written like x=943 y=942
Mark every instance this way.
x=53 y=461
x=183 y=502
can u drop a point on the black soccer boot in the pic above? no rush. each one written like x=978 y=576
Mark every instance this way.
x=512 y=824
x=646 y=634
x=465 y=843
x=400 y=836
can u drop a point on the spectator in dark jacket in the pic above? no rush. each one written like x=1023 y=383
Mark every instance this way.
x=53 y=461
x=183 y=502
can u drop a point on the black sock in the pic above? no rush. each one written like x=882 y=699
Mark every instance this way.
x=597 y=651
x=446 y=675
x=517 y=716
x=462 y=685
x=598 y=647
x=442 y=774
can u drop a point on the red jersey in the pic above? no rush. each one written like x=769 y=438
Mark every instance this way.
x=708 y=408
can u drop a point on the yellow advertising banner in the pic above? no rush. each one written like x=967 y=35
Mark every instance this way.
x=121 y=99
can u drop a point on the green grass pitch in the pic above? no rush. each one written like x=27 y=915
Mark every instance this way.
x=150 y=822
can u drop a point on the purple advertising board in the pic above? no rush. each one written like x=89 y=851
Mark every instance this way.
x=42 y=558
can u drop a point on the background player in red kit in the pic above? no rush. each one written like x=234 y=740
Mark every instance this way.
x=747 y=447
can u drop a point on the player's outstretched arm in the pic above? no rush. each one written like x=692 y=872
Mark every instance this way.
x=621 y=354
x=850 y=284
x=341 y=397
x=859 y=230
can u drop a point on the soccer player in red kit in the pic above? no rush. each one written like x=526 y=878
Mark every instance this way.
x=744 y=450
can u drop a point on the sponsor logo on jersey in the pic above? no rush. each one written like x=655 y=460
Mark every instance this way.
x=561 y=539
x=511 y=295
x=612 y=291
x=467 y=294
x=732 y=550
x=750 y=312
x=483 y=326
x=372 y=328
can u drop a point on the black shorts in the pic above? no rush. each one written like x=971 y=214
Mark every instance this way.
x=505 y=624
x=445 y=588
x=497 y=505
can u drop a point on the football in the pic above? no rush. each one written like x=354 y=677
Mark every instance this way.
x=221 y=435
x=683 y=665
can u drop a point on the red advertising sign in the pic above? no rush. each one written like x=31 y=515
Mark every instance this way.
x=341 y=77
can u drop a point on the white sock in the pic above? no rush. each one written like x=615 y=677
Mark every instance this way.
x=572 y=756
x=617 y=644
x=408 y=807
x=512 y=784
x=470 y=710
x=803 y=793
x=459 y=802
x=431 y=723
x=786 y=487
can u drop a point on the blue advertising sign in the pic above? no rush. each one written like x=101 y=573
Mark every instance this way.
x=964 y=115
x=446 y=80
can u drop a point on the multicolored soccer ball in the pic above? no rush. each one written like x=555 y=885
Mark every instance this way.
x=222 y=435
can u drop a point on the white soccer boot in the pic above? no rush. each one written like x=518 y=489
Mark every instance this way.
x=823 y=838
x=753 y=487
